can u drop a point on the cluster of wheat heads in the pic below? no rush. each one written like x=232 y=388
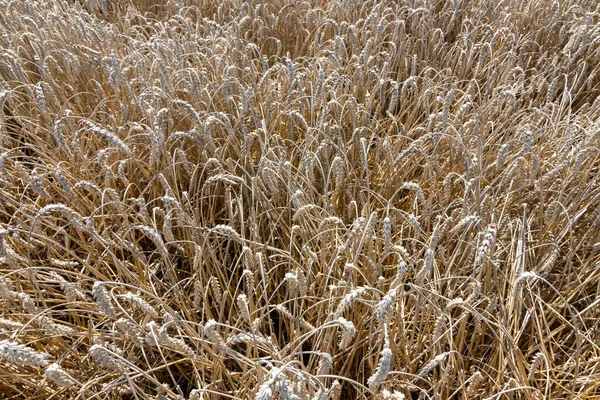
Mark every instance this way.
x=299 y=199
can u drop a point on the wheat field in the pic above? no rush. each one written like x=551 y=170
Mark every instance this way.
x=204 y=199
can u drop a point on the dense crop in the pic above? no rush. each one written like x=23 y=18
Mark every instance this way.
x=299 y=199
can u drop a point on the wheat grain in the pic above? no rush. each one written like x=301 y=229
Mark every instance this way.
x=140 y=304
x=383 y=368
x=487 y=242
x=383 y=308
x=433 y=363
x=102 y=297
x=105 y=358
x=19 y=354
x=55 y=374
x=348 y=330
x=210 y=330
x=228 y=231
x=349 y=299
x=109 y=136
x=10 y=325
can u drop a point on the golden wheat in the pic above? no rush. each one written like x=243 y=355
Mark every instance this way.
x=299 y=199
